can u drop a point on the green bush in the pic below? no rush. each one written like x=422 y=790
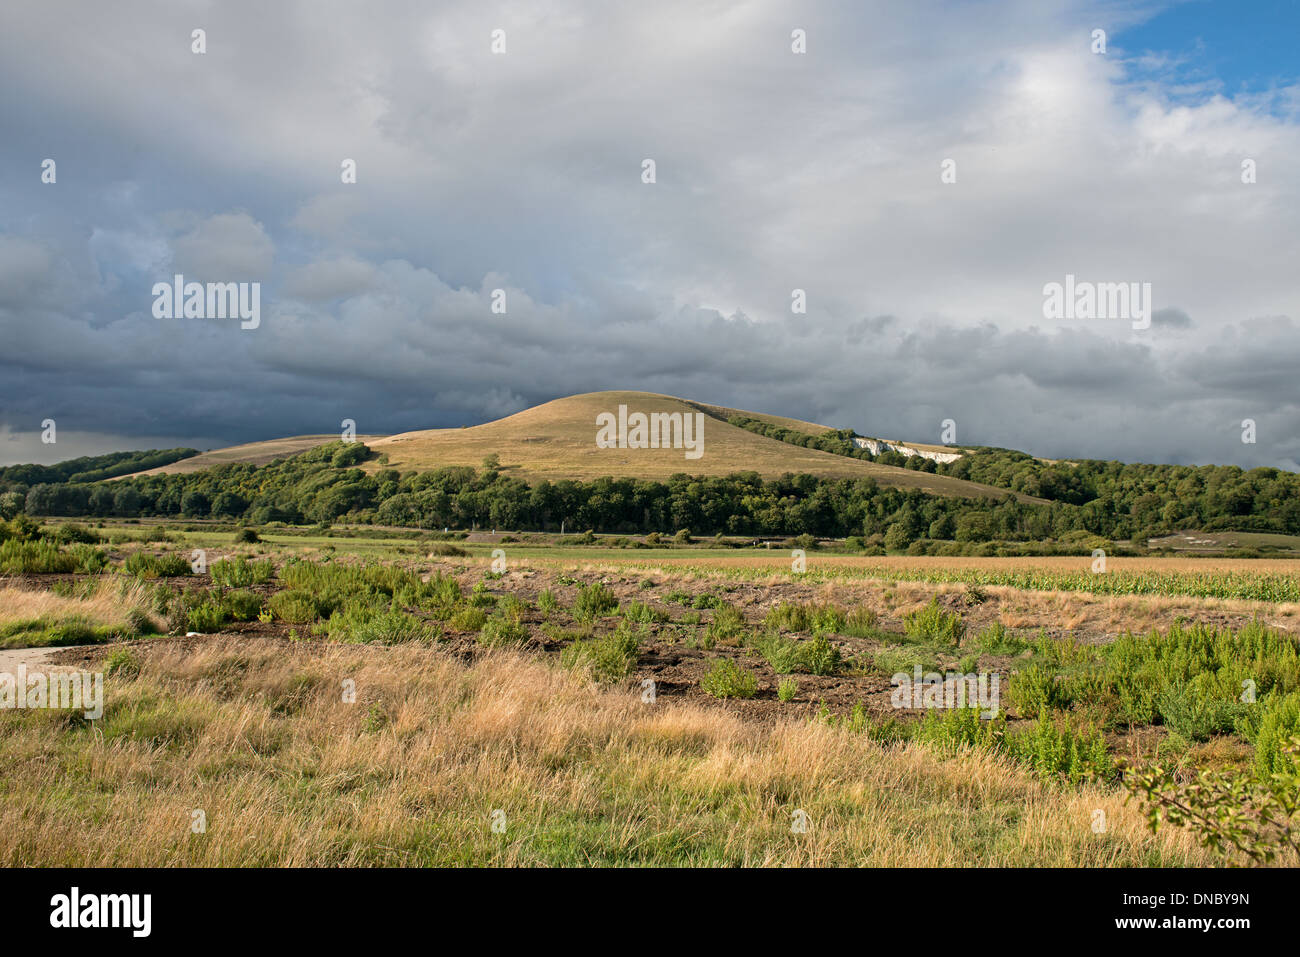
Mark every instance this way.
x=240 y=572
x=480 y=597
x=500 y=632
x=997 y=640
x=74 y=533
x=787 y=688
x=727 y=626
x=298 y=607
x=932 y=623
x=641 y=612
x=546 y=602
x=90 y=560
x=814 y=656
x=806 y=616
x=1036 y=689
x=726 y=679
x=949 y=729
x=608 y=657
x=1279 y=722
x=33 y=558
x=370 y=624
x=594 y=601
x=208 y=616
x=1055 y=750
x=1204 y=706
x=469 y=619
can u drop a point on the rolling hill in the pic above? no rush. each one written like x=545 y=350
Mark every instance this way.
x=557 y=440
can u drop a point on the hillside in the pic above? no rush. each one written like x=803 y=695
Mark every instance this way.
x=556 y=440
x=254 y=453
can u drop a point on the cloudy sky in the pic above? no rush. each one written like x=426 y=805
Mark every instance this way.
x=774 y=170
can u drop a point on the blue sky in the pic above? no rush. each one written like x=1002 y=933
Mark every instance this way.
x=1234 y=45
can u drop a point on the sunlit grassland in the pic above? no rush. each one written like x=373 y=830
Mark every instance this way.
x=286 y=772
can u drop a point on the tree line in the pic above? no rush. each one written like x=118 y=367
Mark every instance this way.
x=326 y=484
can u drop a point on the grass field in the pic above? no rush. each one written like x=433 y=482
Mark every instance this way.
x=500 y=712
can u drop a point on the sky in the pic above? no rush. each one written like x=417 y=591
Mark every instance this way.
x=922 y=171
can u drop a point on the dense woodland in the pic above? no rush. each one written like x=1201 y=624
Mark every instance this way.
x=326 y=484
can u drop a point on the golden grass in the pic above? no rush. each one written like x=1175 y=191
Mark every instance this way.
x=256 y=453
x=557 y=440
x=107 y=601
x=256 y=735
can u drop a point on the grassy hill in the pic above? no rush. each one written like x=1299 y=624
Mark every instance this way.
x=556 y=440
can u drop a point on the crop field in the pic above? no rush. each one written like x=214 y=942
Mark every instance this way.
x=355 y=698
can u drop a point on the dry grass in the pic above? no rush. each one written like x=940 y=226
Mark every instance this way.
x=557 y=440
x=256 y=735
x=256 y=453
x=105 y=601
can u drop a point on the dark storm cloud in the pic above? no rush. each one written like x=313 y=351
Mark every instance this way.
x=522 y=172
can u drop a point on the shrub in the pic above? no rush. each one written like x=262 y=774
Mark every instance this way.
x=299 y=606
x=1202 y=707
x=121 y=662
x=607 y=658
x=860 y=623
x=932 y=623
x=726 y=679
x=442 y=549
x=639 y=611
x=145 y=565
x=1279 y=723
x=499 y=632
x=40 y=557
x=469 y=619
x=369 y=624
x=814 y=656
x=240 y=572
x=241 y=604
x=787 y=689
x=75 y=533
x=949 y=729
x=1055 y=750
x=594 y=601
x=247 y=536
x=801 y=616
x=546 y=602
x=727 y=626
x=1252 y=813
x=90 y=560
x=207 y=616
x=1034 y=690
x=480 y=597
x=996 y=640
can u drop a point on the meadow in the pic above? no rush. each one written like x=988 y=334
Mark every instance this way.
x=367 y=697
